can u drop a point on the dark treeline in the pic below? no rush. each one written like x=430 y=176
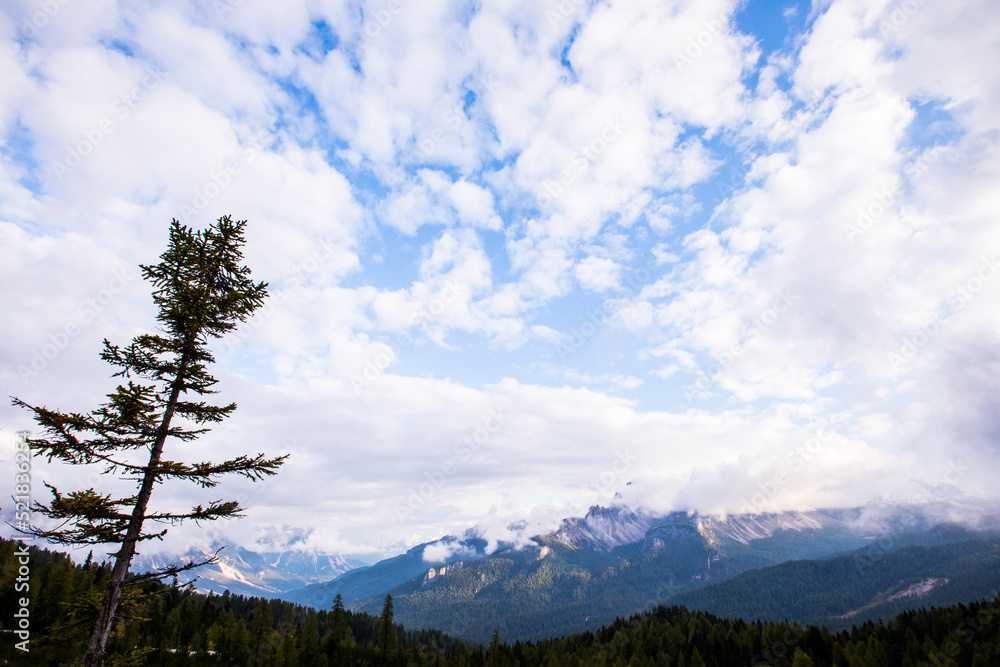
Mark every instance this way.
x=165 y=625
x=183 y=627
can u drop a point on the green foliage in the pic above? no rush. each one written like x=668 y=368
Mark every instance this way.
x=201 y=291
x=386 y=630
x=840 y=592
x=167 y=626
x=528 y=595
x=173 y=627
x=137 y=658
x=569 y=590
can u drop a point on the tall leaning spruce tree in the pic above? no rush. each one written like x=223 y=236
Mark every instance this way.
x=202 y=291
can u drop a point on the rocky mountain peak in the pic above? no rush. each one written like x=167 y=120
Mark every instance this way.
x=604 y=528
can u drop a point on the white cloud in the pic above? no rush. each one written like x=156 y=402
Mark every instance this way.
x=597 y=274
x=444 y=201
x=474 y=205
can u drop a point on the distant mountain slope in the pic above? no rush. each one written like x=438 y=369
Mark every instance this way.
x=846 y=590
x=612 y=562
x=385 y=575
x=264 y=574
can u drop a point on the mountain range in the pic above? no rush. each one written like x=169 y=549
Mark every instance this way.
x=615 y=561
x=836 y=567
x=254 y=573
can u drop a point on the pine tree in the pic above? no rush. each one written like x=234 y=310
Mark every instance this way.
x=309 y=652
x=496 y=646
x=202 y=292
x=240 y=646
x=288 y=653
x=386 y=630
x=338 y=625
x=261 y=634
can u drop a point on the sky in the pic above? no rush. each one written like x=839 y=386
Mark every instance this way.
x=523 y=257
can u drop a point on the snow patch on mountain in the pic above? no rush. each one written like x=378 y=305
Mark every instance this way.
x=246 y=572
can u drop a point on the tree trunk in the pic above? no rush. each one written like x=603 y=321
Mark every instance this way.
x=94 y=657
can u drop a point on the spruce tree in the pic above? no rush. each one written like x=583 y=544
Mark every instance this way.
x=202 y=291
x=338 y=624
x=262 y=634
x=493 y=653
x=386 y=630
x=309 y=645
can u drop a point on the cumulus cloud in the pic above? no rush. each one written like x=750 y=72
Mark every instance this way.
x=757 y=239
x=597 y=273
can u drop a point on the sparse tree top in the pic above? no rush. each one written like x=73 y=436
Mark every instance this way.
x=202 y=291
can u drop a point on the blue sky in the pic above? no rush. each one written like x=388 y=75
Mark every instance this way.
x=512 y=243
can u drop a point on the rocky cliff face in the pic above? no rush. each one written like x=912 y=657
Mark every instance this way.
x=604 y=528
x=745 y=528
x=442 y=571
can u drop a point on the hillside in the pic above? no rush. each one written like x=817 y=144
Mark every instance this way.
x=840 y=592
x=611 y=563
x=167 y=627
